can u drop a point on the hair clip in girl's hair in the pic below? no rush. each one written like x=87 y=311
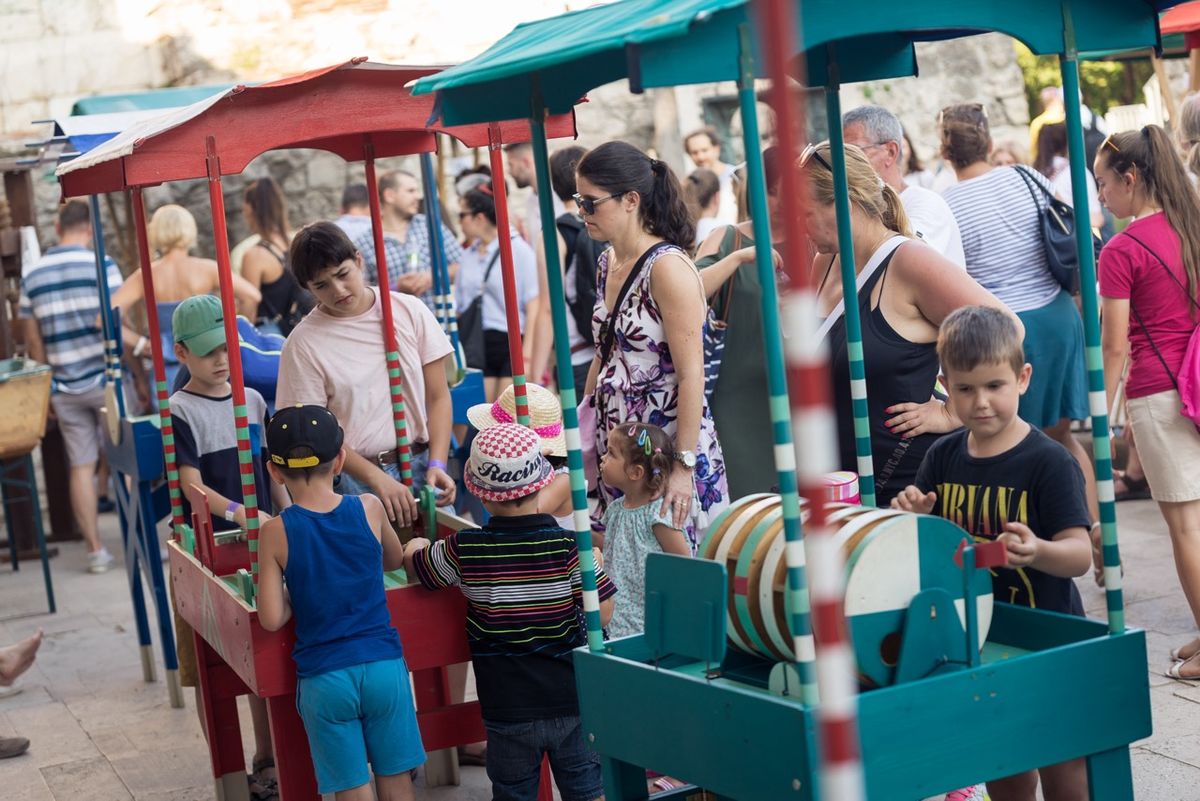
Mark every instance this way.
x=644 y=442
x=658 y=450
x=486 y=189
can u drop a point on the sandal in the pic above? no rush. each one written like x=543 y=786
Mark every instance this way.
x=1136 y=489
x=1174 y=672
x=1177 y=653
x=263 y=788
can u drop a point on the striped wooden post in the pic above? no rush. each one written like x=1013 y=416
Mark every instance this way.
x=443 y=293
x=1097 y=399
x=854 y=346
x=840 y=776
x=110 y=322
x=391 y=348
x=516 y=351
x=241 y=419
x=161 y=392
x=799 y=618
x=566 y=378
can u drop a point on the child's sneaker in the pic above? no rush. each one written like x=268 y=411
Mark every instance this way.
x=976 y=793
x=99 y=561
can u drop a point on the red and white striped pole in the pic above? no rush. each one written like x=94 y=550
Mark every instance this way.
x=813 y=426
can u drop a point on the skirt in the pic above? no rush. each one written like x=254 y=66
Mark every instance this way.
x=1168 y=445
x=1054 y=345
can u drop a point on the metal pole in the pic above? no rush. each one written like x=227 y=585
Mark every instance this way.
x=516 y=350
x=798 y=609
x=854 y=346
x=443 y=296
x=1097 y=399
x=840 y=775
x=229 y=313
x=161 y=391
x=566 y=378
x=392 y=356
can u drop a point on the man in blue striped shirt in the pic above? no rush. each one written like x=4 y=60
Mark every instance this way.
x=60 y=300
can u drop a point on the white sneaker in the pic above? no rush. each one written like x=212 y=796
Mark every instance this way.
x=99 y=561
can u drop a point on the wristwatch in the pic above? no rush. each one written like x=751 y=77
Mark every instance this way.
x=686 y=458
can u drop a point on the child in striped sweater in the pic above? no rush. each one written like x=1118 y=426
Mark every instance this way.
x=521 y=578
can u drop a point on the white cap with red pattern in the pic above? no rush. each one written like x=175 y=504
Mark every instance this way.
x=507 y=464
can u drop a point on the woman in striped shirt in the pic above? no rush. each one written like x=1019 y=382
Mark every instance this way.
x=1000 y=219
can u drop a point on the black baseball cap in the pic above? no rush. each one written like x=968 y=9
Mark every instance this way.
x=303 y=436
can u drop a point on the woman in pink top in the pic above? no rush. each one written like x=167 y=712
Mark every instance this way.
x=1149 y=277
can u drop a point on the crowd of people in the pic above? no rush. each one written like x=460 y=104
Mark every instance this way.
x=975 y=371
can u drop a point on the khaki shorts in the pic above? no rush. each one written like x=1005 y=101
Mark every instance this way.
x=1168 y=445
x=81 y=423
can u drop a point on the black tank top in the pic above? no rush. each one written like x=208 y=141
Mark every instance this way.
x=897 y=371
x=277 y=296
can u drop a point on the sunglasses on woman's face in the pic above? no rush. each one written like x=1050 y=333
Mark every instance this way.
x=587 y=205
x=813 y=152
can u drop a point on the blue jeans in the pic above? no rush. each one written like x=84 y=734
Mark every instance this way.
x=514 y=759
x=346 y=484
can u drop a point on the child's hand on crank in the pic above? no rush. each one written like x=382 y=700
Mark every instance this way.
x=1021 y=544
x=911 y=499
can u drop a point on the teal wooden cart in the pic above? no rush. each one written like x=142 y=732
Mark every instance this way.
x=1046 y=687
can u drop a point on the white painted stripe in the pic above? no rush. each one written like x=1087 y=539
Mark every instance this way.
x=805 y=648
x=826 y=575
x=800 y=324
x=581 y=519
x=793 y=554
x=571 y=435
x=1097 y=403
x=1112 y=578
x=843 y=781
x=591 y=601
x=815 y=438
x=866 y=466
x=785 y=458
x=838 y=682
x=1106 y=490
x=858 y=388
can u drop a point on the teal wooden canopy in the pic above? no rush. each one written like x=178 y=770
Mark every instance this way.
x=657 y=43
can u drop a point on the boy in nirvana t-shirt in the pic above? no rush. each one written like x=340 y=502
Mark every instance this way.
x=1002 y=479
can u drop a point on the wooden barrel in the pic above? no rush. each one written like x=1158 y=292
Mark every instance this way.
x=890 y=556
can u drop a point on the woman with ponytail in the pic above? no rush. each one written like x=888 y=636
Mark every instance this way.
x=650 y=311
x=906 y=289
x=1149 y=276
x=999 y=213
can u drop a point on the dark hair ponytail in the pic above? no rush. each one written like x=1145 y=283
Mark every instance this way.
x=1152 y=154
x=621 y=167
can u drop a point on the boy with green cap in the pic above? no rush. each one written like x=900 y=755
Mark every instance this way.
x=207 y=454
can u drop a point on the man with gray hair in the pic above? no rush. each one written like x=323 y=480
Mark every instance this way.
x=877 y=131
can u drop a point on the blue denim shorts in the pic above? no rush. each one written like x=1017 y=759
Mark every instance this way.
x=358 y=714
x=346 y=484
x=514 y=759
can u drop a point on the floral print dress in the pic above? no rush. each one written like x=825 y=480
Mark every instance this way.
x=639 y=383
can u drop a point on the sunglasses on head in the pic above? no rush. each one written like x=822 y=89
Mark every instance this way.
x=813 y=152
x=587 y=205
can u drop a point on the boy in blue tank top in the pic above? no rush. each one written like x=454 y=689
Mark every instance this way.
x=353 y=691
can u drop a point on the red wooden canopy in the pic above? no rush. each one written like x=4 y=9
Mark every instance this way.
x=1184 y=18
x=340 y=109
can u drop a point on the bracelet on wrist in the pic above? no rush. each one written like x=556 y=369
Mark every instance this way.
x=231 y=511
x=438 y=463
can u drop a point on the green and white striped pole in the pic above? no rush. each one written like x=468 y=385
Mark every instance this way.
x=854 y=346
x=798 y=607
x=1097 y=399
x=566 y=379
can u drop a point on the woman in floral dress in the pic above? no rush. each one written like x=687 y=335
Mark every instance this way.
x=650 y=360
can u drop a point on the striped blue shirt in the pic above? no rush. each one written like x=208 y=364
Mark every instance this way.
x=413 y=255
x=60 y=292
x=1000 y=222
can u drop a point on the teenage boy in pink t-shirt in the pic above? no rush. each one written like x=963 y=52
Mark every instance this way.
x=336 y=358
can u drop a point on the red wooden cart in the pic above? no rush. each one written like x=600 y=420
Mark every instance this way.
x=357 y=110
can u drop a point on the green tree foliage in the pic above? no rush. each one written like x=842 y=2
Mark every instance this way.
x=1105 y=83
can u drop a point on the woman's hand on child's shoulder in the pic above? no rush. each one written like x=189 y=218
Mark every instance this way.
x=911 y=499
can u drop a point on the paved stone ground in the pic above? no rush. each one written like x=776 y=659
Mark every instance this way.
x=101 y=734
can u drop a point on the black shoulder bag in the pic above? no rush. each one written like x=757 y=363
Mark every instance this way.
x=1058 y=234
x=470 y=322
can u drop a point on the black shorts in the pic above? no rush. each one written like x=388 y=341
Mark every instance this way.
x=496 y=361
